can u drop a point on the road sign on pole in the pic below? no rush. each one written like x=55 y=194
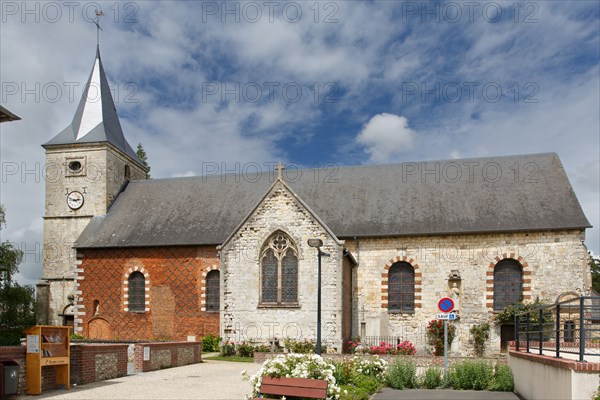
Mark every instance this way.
x=446 y=304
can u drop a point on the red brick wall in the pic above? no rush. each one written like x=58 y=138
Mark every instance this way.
x=174 y=360
x=175 y=282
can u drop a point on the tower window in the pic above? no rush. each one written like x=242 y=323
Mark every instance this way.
x=74 y=166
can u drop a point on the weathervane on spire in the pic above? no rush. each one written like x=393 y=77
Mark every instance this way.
x=99 y=14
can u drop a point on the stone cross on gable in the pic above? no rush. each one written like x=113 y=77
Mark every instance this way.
x=279 y=168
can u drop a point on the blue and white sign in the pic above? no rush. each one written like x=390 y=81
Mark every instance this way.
x=446 y=316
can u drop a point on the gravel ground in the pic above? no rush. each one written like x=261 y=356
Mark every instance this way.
x=209 y=380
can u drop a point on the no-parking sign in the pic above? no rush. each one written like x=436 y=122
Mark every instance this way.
x=446 y=304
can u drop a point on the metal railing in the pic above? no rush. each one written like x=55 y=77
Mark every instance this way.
x=570 y=327
x=376 y=340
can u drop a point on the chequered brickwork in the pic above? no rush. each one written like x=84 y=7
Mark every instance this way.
x=489 y=281
x=384 y=280
x=173 y=286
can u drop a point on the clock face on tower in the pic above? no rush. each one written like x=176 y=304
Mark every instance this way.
x=75 y=200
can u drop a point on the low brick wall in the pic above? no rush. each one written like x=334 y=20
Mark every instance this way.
x=16 y=353
x=97 y=362
x=166 y=355
x=420 y=361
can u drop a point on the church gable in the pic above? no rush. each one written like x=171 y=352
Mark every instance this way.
x=269 y=272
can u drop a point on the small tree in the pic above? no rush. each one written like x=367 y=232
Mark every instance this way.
x=17 y=303
x=141 y=153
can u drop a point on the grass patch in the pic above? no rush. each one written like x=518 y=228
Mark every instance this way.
x=230 y=358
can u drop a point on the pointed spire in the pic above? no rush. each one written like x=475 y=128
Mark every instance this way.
x=96 y=118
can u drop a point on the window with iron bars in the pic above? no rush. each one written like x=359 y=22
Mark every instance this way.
x=508 y=283
x=401 y=287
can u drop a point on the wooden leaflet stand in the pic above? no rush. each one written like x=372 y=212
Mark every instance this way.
x=47 y=346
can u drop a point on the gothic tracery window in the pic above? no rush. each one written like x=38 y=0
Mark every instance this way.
x=279 y=270
x=508 y=283
x=401 y=287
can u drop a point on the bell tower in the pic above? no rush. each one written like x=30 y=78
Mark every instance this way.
x=87 y=165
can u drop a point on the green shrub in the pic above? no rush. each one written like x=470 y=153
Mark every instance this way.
x=368 y=383
x=245 y=349
x=471 y=375
x=432 y=379
x=210 y=343
x=228 y=349
x=401 y=374
x=301 y=346
x=262 y=348
x=503 y=379
x=351 y=392
x=343 y=372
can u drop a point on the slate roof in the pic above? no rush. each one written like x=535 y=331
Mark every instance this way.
x=96 y=118
x=6 y=116
x=373 y=200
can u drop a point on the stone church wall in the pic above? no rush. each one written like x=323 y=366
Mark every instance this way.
x=175 y=288
x=553 y=263
x=243 y=317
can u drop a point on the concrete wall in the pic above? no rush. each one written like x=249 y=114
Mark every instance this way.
x=544 y=377
x=553 y=263
x=243 y=317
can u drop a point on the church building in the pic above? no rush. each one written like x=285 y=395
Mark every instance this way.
x=138 y=259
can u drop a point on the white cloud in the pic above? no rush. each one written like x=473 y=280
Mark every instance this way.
x=386 y=136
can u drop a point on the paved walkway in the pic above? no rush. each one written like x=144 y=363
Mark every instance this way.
x=208 y=380
x=215 y=380
x=423 y=394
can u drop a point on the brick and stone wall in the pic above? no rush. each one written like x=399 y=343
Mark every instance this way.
x=97 y=362
x=174 y=293
x=244 y=318
x=553 y=263
x=166 y=355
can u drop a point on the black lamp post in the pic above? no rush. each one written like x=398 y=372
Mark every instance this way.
x=318 y=243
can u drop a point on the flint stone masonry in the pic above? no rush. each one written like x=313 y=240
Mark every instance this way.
x=106 y=366
x=160 y=359
x=166 y=355
x=243 y=317
x=554 y=262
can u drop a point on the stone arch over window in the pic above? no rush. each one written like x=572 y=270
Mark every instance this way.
x=279 y=270
x=401 y=277
x=503 y=262
x=210 y=287
x=137 y=288
x=127 y=172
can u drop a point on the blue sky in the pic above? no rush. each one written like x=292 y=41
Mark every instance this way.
x=309 y=83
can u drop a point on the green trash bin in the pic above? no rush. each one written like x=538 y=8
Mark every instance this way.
x=10 y=375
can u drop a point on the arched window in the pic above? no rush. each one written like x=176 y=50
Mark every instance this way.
x=137 y=292
x=212 y=291
x=127 y=172
x=401 y=287
x=279 y=270
x=508 y=283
